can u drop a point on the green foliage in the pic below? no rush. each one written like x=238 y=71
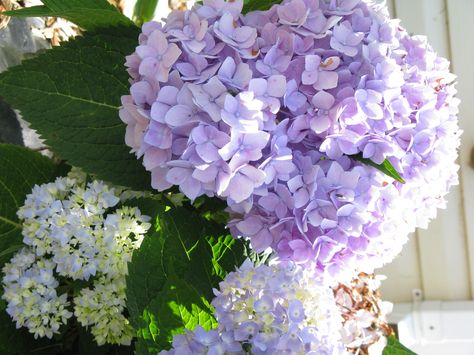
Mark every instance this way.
x=386 y=167
x=18 y=341
x=20 y=170
x=71 y=96
x=144 y=11
x=73 y=340
x=172 y=275
x=257 y=5
x=87 y=14
x=394 y=347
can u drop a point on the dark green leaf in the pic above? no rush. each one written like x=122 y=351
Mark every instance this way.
x=86 y=345
x=71 y=96
x=19 y=342
x=144 y=11
x=394 y=347
x=258 y=5
x=386 y=167
x=32 y=11
x=20 y=170
x=212 y=209
x=172 y=275
x=87 y=14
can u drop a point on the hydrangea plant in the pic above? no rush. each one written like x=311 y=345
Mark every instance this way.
x=306 y=137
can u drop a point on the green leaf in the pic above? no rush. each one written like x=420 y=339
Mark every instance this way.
x=394 y=347
x=20 y=170
x=172 y=275
x=71 y=96
x=257 y=5
x=86 y=345
x=144 y=11
x=87 y=14
x=386 y=167
x=32 y=11
x=177 y=306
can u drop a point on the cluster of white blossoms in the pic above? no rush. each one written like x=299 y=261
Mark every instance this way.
x=73 y=230
x=30 y=290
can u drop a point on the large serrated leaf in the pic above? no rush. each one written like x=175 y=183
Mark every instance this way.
x=87 y=14
x=394 y=347
x=71 y=96
x=20 y=170
x=172 y=275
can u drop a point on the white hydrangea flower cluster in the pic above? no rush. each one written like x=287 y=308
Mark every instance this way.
x=30 y=290
x=72 y=232
x=101 y=308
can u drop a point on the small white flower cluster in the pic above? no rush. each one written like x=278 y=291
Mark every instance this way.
x=102 y=308
x=71 y=233
x=30 y=290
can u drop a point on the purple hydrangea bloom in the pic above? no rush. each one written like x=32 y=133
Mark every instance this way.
x=265 y=110
x=278 y=309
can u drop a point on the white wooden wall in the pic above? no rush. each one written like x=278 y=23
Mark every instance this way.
x=440 y=260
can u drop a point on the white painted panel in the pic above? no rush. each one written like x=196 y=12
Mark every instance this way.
x=443 y=262
x=403 y=275
x=425 y=17
x=461 y=15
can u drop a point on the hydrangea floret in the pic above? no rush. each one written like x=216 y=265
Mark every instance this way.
x=268 y=109
x=74 y=230
x=268 y=309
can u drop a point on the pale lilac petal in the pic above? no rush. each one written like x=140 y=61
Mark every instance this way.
x=171 y=56
x=276 y=85
x=323 y=100
x=320 y=124
x=179 y=115
x=250 y=226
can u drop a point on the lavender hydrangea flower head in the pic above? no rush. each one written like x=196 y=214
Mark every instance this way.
x=283 y=308
x=266 y=110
